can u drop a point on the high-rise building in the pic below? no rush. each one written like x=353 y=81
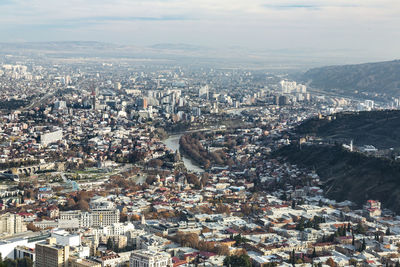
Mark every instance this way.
x=302 y=88
x=369 y=104
x=276 y=99
x=196 y=111
x=117 y=86
x=142 y=103
x=94 y=99
x=50 y=254
x=60 y=105
x=11 y=224
x=396 y=102
x=283 y=100
x=203 y=92
x=289 y=87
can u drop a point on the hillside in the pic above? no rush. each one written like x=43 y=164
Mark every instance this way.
x=349 y=176
x=378 y=128
x=381 y=77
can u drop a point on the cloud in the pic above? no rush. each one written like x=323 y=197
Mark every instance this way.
x=50 y=11
x=291 y=6
x=324 y=24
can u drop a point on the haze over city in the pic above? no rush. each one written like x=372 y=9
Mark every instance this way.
x=355 y=31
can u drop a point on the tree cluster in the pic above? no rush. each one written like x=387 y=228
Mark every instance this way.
x=341 y=231
x=192 y=240
x=79 y=202
x=239 y=261
x=239 y=239
x=24 y=262
x=190 y=144
x=12 y=104
x=314 y=223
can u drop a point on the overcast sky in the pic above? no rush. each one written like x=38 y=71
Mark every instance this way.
x=372 y=26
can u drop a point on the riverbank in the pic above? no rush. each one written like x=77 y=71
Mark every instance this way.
x=172 y=142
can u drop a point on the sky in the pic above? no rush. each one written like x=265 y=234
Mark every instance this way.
x=365 y=27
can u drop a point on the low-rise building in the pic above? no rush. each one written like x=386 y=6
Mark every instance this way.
x=145 y=258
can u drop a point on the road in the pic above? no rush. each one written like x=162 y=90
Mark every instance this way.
x=39 y=101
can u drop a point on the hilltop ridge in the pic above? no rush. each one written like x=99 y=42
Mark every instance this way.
x=378 y=128
x=348 y=175
x=369 y=78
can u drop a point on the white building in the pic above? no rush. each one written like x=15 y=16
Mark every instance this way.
x=290 y=87
x=115 y=229
x=369 y=104
x=372 y=208
x=96 y=218
x=27 y=241
x=11 y=224
x=60 y=105
x=203 y=92
x=145 y=258
x=7 y=247
x=51 y=137
x=65 y=238
x=101 y=203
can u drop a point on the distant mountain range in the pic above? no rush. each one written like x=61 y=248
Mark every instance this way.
x=233 y=56
x=55 y=45
x=167 y=53
x=179 y=47
x=381 y=78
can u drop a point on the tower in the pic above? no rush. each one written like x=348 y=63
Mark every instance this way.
x=177 y=157
x=93 y=98
x=50 y=254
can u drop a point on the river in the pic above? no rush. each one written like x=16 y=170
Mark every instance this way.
x=172 y=142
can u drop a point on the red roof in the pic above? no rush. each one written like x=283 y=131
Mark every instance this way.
x=231 y=231
x=207 y=254
x=176 y=261
x=191 y=255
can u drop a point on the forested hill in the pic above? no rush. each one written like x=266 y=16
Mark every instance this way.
x=349 y=176
x=380 y=77
x=378 y=128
